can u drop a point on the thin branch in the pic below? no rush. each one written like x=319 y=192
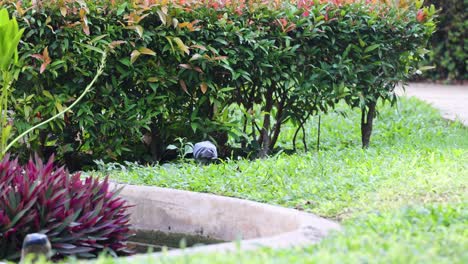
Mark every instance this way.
x=318 y=132
x=304 y=137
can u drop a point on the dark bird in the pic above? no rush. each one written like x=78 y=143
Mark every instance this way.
x=205 y=152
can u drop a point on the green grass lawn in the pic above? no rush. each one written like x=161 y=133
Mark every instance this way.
x=404 y=200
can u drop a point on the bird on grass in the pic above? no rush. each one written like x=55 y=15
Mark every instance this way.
x=205 y=152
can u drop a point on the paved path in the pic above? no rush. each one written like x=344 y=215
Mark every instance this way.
x=451 y=100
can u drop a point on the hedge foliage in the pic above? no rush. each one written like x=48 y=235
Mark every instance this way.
x=449 y=45
x=214 y=69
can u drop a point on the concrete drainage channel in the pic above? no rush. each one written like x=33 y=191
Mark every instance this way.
x=207 y=218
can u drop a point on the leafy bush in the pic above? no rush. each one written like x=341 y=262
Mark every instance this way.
x=10 y=36
x=205 y=70
x=449 y=43
x=80 y=217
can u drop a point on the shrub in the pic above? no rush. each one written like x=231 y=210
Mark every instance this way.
x=206 y=70
x=80 y=217
x=10 y=36
x=449 y=45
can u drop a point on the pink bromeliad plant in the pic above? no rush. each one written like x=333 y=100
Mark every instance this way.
x=80 y=218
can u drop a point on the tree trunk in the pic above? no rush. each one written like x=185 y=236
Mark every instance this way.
x=265 y=139
x=278 y=123
x=156 y=144
x=156 y=147
x=367 y=119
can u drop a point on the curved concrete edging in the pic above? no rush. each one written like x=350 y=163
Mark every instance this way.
x=223 y=218
x=450 y=100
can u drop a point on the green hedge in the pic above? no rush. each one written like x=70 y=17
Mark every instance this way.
x=204 y=71
x=449 y=45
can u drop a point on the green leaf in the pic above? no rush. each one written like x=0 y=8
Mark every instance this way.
x=371 y=48
x=162 y=16
x=92 y=48
x=6 y=131
x=362 y=43
x=17 y=217
x=172 y=147
x=182 y=47
x=48 y=94
x=169 y=39
x=10 y=35
x=146 y=51
x=135 y=54
x=96 y=39
x=139 y=30
x=122 y=8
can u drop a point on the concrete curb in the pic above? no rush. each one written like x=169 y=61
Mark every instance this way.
x=222 y=218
